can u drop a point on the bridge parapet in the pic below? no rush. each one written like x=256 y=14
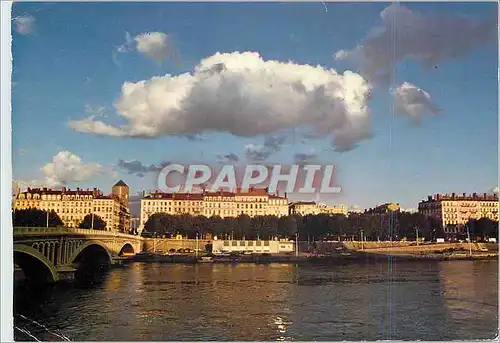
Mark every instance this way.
x=61 y=231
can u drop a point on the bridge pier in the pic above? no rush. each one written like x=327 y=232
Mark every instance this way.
x=65 y=273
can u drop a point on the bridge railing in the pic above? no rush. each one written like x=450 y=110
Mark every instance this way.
x=22 y=230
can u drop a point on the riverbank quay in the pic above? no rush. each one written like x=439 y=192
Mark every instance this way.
x=340 y=258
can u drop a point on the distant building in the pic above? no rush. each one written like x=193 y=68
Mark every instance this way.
x=333 y=209
x=312 y=208
x=73 y=205
x=455 y=210
x=304 y=208
x=384 y=208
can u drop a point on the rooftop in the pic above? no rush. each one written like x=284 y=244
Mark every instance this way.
x=461 y=197
x=120 y=183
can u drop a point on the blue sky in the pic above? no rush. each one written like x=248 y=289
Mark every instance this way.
x=63 y=63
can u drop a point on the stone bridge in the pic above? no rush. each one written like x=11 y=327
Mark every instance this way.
x=55 y=254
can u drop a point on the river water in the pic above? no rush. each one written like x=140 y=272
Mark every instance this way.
x=152 y=301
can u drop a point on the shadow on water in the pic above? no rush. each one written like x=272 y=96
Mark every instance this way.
x=34 y=301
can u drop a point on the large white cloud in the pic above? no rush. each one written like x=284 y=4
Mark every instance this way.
x=24 y=24
x=67 y=168
x=429 y=39
x=412 y=101
x=245 y=95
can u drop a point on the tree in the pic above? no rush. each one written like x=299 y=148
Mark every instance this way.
x=483 y=228
x=99 y=223
x=36 y=218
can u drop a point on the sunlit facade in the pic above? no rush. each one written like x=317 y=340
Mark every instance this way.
x=305 y=208
x=255 y=202
x=455 y=210
x=73 y=205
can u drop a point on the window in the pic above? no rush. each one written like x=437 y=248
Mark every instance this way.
x=242 y=243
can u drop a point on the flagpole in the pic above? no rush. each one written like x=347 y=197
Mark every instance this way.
x=47 y=218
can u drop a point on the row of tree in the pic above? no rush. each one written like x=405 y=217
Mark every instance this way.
x=373 y=227
x=39 y=218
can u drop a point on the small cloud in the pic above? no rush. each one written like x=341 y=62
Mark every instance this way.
x=136 y=167
x=302 y=158
x=271 y=145
x=156 y=45
x=153 y=44
x=193 y=137
x=96 y=111
x=412 y=101
x=229 y=158
x=24 y=25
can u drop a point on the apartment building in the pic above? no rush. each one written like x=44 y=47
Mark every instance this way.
x=73 y=205
x=455 y=210
x=254 y=202
x=171 y=203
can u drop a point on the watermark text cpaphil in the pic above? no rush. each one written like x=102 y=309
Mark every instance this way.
x=294 y=178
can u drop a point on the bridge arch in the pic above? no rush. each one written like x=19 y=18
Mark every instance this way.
x=96 y=245
x=127 y=249
x=35 y=266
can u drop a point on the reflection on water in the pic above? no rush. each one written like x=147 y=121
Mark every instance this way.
x=411 y=301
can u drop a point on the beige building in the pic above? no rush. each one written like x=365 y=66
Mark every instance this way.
x=255 y=202
x=455 y=210
x=312 y=208
x=175 y=204
x=333 y=209
x=73 y=205
x=277 y=206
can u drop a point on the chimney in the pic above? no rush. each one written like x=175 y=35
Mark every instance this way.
x=474 y=195
x=77 y=189
x=453 y=195
x=438 y=196
x=44 y=189
x=484 y=195
x=463 y=194
x=429 y=198
x=143 y=193
x=285 y=194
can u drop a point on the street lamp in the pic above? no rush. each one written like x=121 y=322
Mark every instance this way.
x=196 y=251
x=362 y=239
x=416 y=231
x=468 y=237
